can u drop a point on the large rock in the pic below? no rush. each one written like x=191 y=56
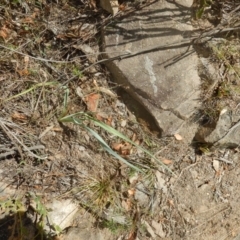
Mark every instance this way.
x=165 y=80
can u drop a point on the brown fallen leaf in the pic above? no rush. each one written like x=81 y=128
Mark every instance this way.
x=19 y=117
x=171 y=203
x=127 y=205
x=122 y=148
x=4 y=32
x=166 y=161
x=132 y=235
x=23 y=72
x=57 y=129
x=26 y=60
x=99 y=117
x=28 y=20
x=109 y=121
x=158 y=229
x=92 y=101
x=116 y=146
x=131 y=192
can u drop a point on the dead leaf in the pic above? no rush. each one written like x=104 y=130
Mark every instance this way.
x=132 y=235
x=126 y=149
x=4 y=32
x=19 y=117
x=116 y=146
x=95 y=83
x=127 y=205
x=28 y=20
x=178 y=137
x=149 y=229
x=99 y=117
x=133 y=178
x=107 y=91
x=26 y=59
x=61 y=36
x=134 y=137
x=158 y=229
x=171 y=203
x=57 y=129
x=131 y=192
x=123 y=123
x=166 y=161
x=109 y=121
x=92 y=101
x=122 y=148
x=23 y=72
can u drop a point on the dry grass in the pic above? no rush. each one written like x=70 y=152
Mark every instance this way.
x=47 y=75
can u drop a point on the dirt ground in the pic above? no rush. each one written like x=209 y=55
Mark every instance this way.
x=48 y=71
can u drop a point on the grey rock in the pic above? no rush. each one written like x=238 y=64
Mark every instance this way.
x=110 y=215
x=231 y=139
x=164 y=80
x=110 y=6
x=223 y=125
x=61 y=213
x=141 y=195
x=226 y=134
x=89 y=234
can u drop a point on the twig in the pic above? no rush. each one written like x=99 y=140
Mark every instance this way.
x=25 y=148
x=206 y=36
x=225 y=160
x=10 y=135
x=185 y=42
x=36 y=58
x=36 y=147
x=6 y=154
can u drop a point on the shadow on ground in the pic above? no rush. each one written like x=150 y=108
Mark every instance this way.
x=20 y=226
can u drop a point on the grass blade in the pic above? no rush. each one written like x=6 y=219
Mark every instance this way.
x=30 y=89
x=109 y=150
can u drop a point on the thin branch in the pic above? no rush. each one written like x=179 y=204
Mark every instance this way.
x=224 y=160
x=36 y=58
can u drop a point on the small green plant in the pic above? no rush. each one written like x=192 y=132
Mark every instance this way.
x=38 y=85
x=12 y=205
x=228 y=54
x=76 y=72
x=42 y=213
x=15 y=2
x=114 y=227
x=202 y=6
x=102 y=191
x=204 y=149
